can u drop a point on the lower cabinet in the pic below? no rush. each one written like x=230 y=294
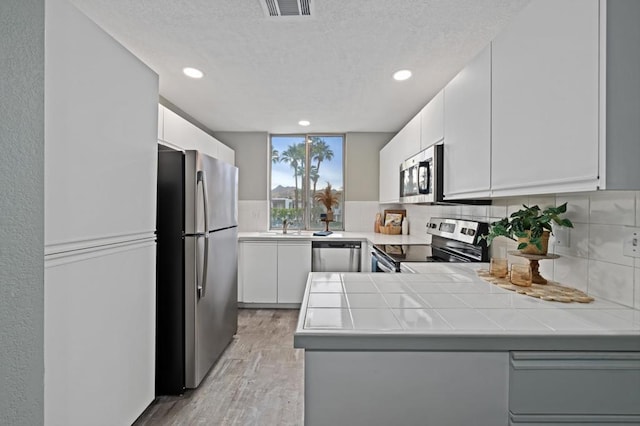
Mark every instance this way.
x=99 y=334
x=273 y=271
x=258 y=272
x=574 y=388
x=376 y=388
x=294 y=265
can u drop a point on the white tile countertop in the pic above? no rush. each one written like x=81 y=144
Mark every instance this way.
x=447 y=307
x=372 y=237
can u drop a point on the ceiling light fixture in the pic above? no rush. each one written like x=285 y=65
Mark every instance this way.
x=192 y=72
x=303 y=122
x=402 y=75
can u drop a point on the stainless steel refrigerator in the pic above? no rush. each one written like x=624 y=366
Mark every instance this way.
x=196 y=297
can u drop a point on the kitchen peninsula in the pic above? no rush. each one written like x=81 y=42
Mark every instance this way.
x=447 y=348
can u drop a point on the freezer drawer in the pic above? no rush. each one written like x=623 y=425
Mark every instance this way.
x=338 y=256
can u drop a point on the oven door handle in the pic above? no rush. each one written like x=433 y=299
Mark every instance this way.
x=386 y=268
x=384 y=264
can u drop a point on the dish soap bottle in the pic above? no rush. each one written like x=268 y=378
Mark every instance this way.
x=405 y=226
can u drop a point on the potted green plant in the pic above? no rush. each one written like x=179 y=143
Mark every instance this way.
x=530 y=227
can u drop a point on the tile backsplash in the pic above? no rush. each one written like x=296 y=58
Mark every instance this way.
x=253 y=215
x=593 y=261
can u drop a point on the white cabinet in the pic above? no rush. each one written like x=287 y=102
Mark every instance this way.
x=545 y=93
x=432 y=124
x=409 y=138
x=273 y=271
x=160 y=122
x=101 y=110
x=226 y=154
x=100 y=152
x=547 y=108
x=181 y=134
x=403 y=145
x=99 y=334
x=258 y=271
x=294 y=265
x=389 y=184
x=467 y=130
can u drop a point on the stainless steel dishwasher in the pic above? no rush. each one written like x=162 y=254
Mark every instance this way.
x=335 y=256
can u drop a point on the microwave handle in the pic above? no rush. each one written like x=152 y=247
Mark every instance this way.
x=425 y=165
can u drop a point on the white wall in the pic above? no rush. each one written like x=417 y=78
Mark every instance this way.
x=363 y=164
x=251 y=159
x=22 y=212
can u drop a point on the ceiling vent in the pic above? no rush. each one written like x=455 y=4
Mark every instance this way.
x=283 y=8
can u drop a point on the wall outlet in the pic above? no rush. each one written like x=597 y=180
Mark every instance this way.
x=562 y=236
x=631 y=244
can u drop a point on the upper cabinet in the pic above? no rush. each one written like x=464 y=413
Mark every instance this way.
x=161 y=122
x=432 y=124
x=552 y=106
x=403 y=145
x=226 y=154
x=409 y=138
x=467 y=131
x=182 y=134
x=566 y=98
x=389 y=184
x=545 y=100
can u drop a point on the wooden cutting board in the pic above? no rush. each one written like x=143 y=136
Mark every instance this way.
x=551 y=291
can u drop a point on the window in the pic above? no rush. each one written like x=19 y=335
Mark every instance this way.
x=301 y=167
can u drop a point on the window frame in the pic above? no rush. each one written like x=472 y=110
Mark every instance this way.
x=307 y=179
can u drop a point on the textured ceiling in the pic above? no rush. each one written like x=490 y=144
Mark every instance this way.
x=333 y=69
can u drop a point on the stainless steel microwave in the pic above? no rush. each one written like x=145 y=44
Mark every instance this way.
x=421 y=177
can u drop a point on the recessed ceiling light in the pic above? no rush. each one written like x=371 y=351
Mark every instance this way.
x=303 y=122
x=192 y=72
x=402 y=75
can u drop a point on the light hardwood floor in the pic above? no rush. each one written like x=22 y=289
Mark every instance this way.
x=259 y=380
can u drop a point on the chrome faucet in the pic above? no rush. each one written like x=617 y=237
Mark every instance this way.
x=285 y=225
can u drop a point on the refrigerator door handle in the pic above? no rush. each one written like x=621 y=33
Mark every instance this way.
x=202 y=179
x=202 y=287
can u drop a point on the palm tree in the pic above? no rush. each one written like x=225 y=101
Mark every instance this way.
x=294 y=155
x=275 y=157
x=320 y=151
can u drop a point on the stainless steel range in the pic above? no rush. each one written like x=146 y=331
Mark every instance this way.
x=452 y=240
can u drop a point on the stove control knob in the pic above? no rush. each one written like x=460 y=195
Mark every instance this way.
x=471 y=232
x=463 y=231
